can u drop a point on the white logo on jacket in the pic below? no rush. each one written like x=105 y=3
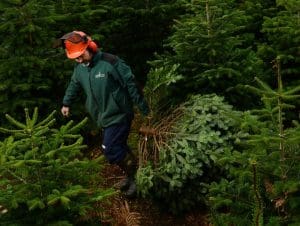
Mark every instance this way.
x=100 y=75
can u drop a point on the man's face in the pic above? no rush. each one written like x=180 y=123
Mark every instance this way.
x=84 y=58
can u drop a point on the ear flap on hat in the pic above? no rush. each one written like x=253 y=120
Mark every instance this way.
x=93 y=46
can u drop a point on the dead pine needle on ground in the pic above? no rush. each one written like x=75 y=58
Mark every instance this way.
x=120 y=211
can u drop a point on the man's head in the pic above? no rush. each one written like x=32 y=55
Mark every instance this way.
x=79 y=46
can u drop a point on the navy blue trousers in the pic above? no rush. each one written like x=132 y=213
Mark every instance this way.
x=114 y=145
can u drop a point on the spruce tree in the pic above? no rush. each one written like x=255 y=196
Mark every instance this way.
x=213 y=48
x=281 y=34
x=135 y=30
x=179 y=174
x=262 y=185
x=24 y=55
x=45 y=178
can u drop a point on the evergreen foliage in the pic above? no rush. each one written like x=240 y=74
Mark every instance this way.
x=186 y=163
x=135 y=30
x=282 y=32
x=214 y=50
x=45 y=179
x=25 y=72
x=215 y=47
x=158 y=88
x=31 y=69
x=262 y=185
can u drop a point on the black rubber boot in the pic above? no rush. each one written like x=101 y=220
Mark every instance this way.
x=128 y=165
x=124 y=184
x=131 y=191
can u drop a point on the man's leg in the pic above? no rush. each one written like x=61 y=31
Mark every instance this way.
x=117 y=152
x=129 y=166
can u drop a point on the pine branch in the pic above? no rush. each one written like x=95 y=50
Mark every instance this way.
x=66 y=127
x=15 y=122
x=259 y=91
x=78 y=126
x=34 y=116
x=28 y=120
x=48 y=124
x=265 y=86
x=41 y=131
x=16 y=176
x=289 y=97
x=76 y=146
x=292 y=91
x=75 y=191
x=11 y=131
x=47 y=119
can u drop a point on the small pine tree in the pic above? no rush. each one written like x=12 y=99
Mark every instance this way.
x=44 y=178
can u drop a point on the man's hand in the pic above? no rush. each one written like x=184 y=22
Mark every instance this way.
x=65 y=111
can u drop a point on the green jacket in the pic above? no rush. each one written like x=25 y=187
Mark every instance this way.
x=110 y=90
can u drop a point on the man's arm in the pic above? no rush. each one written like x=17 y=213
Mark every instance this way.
x=129 y=82
x=70 y=95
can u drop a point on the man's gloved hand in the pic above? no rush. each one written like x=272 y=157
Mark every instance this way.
x=65 y=110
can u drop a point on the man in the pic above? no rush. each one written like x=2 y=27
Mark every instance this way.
x=110 y=91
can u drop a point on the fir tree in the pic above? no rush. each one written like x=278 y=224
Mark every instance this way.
x=263 y=177
x=45 y=179
x=179 y=176
x=213 y=49
x=281 y=32
x=24 y=56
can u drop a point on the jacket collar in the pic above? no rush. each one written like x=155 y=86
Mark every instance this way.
x=95 y=58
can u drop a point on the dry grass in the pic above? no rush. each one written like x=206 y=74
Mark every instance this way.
x=154 y=136
x=123 y=216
